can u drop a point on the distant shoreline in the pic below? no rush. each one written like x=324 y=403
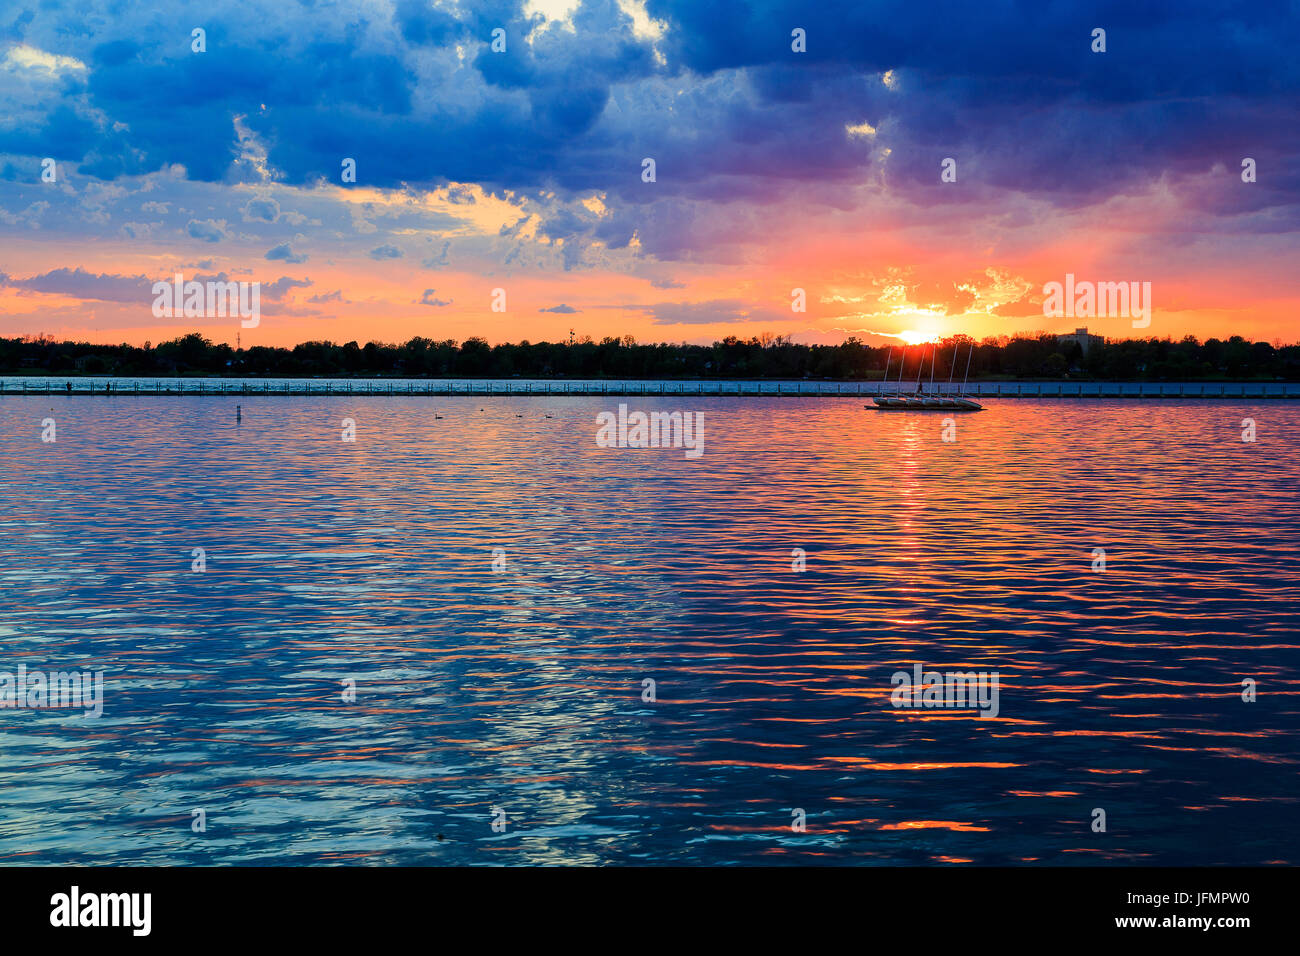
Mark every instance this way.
x=1038 y=358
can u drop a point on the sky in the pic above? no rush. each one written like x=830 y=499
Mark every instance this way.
x=523 y=169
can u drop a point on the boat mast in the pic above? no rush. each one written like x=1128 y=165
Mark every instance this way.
x=919 y=367
x=885 y=378
x=968 y=355
x=952 y=368
x=900 y=370
x=934 y=356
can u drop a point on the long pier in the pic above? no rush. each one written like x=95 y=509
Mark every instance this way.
x=592 y=387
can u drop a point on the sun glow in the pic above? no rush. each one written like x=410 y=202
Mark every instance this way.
x=917 y=336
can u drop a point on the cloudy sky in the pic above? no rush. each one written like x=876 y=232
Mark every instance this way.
x=522 y=170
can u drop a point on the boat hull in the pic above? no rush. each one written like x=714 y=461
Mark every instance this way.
x=917 y=403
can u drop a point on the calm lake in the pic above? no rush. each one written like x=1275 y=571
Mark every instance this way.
x=389 y=644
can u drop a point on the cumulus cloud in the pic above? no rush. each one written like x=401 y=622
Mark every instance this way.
x=261 y=210
x=206 y=229
x=283 y=253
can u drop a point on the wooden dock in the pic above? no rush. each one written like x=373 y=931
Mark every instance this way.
x=503 y=387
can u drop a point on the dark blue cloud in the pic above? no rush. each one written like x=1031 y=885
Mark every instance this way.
x=277 y=289
x=64 y=133
x=704 y=313
x=423 y=25
x=106 y=287
x=283 y=253
x=80 y=284
x=207 y=230
x=115 y=53
x=262 y=210
x=1011 y=90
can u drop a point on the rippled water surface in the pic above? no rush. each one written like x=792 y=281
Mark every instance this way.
x=521 y=689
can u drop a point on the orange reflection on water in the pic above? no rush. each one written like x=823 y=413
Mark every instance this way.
x=935 y=825
x=1046 y=793
x=869 y=764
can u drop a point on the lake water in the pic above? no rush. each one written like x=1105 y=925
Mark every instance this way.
x=519 y=688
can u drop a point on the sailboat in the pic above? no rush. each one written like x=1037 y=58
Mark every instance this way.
x=917 y=401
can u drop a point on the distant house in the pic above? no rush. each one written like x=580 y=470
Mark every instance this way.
x=1084 y=340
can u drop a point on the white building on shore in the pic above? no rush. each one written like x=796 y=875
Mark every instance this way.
x=1083 y=338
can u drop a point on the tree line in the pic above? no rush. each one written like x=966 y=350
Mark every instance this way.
x=1040 y=356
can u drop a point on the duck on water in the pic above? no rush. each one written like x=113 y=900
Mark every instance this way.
x=917 y=401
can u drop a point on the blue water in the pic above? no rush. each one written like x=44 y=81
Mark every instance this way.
x=519 y=689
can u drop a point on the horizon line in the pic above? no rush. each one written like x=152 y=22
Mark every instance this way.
x=765 y=340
